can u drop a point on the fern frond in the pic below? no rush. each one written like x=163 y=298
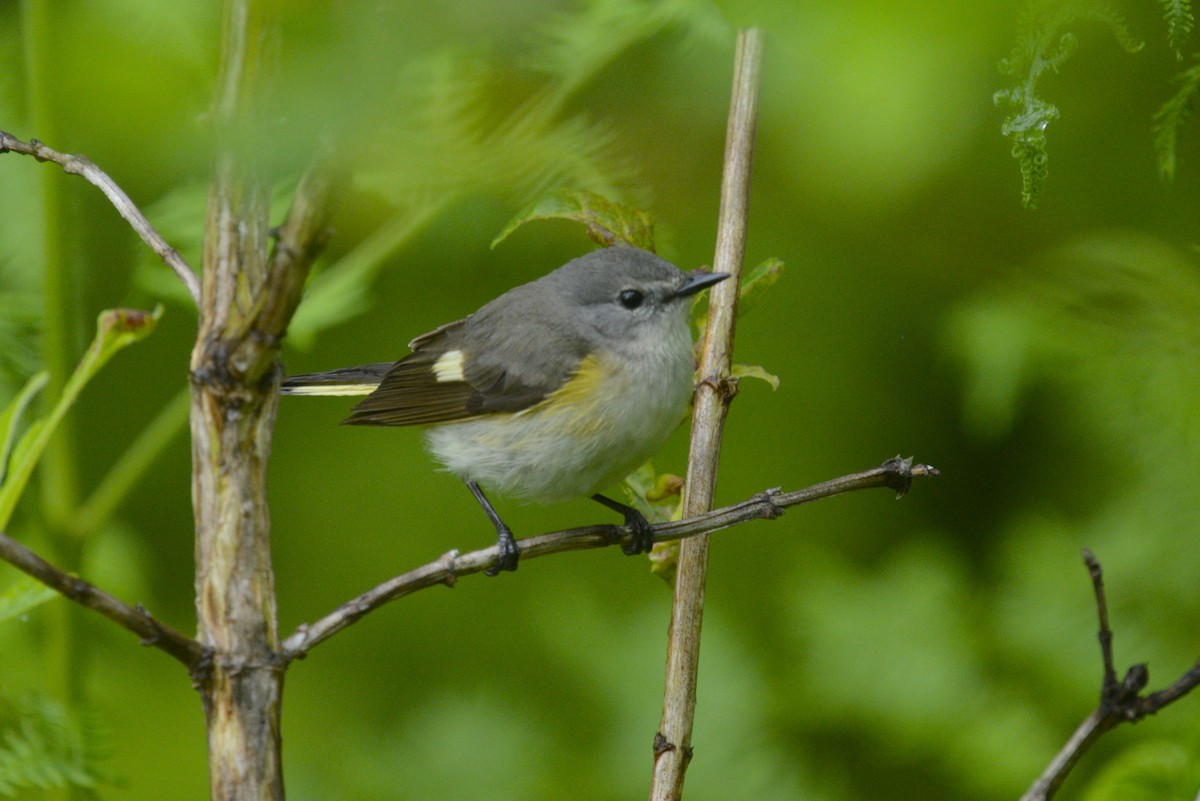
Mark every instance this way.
x=45 y=745
x=1179 y=17
x=431 y=143
x=1030 y=152
x=454 y=130
x=574 y=46
x=1044 y=44
x=1171 y=117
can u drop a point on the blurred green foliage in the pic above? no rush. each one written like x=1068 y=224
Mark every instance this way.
x=941 y=647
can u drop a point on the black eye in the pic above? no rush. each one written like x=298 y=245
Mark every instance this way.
x=631 y=298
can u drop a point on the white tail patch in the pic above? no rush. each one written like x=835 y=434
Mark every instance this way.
x=449 y=366
x=331 y=389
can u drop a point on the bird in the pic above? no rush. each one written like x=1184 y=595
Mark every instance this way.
x=556 y=389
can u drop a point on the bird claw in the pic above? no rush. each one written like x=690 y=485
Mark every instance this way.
x=642 y=539
x=508 y=555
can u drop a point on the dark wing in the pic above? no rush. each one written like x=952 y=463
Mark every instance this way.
x=505 y=358
x=411 y=393
x=521 y=348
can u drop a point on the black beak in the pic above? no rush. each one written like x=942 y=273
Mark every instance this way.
x=696 y=281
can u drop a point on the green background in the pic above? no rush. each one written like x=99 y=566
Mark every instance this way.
x=940 y=647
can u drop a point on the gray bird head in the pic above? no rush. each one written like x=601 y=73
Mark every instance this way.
x=621 y=294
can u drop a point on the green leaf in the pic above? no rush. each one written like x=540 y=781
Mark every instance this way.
x=23 y=595
x=653 y=494
x=658 y=496
x=11 y=418
x=753 y=290
x=607 y=223
x=741 y=371
x=757 y=282
x=116 y=328
x=664 y=560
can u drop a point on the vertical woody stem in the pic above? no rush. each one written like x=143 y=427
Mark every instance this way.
x=673 y=743
x=232 y=414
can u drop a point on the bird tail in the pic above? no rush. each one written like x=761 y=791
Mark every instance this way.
x=361 y=380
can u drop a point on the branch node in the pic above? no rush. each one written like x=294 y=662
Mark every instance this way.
x=662 y=745
x=766 y=498
x=899 y=475
x=1135 y=680
x=724 y=385
x=202 y=669
x=449 y=566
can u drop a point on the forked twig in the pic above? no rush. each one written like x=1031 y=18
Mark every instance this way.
x=1120 y=701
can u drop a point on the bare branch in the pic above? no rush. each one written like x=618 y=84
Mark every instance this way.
x=1120 y=701
x=894 y=474
x=298 y=241
x=672 y=743
x=153 y=633
x=1105 y=634
x=1052 y=778
x=82 y=166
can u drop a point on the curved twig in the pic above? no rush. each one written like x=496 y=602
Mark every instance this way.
x=82 y=166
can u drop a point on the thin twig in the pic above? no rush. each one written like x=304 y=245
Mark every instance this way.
x=895 y=474
x=672 y=743
x=82 y=166
x=1120 y=701
x=153 y=633
x=1105 y=634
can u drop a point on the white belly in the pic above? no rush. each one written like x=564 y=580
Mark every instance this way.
x=552 y=452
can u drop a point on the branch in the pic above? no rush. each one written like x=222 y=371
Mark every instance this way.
x=1120 y=701
x=672 y=742
x=80 y=165
x=192 y=654
x=896 y=474
x=298 y=241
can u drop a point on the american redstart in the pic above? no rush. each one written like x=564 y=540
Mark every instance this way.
x=557 y=388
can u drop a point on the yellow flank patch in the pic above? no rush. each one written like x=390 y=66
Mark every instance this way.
x=582 y=387
x=449 y=367
x=578 y=398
